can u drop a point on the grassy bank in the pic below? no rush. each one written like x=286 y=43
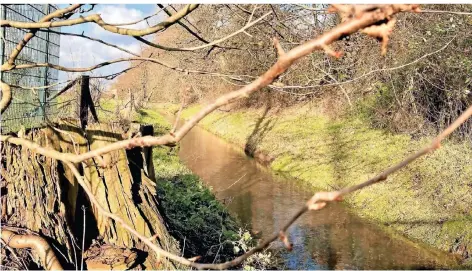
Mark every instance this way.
x=200 y=223
x=196 y=219
x=429 y=201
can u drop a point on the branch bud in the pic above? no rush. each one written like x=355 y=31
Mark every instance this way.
x=285 y=240
x=278 y=47
x=331 y=52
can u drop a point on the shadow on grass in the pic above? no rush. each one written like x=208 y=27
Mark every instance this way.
x=260 y=130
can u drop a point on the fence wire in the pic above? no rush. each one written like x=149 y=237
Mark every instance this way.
x=29 y=108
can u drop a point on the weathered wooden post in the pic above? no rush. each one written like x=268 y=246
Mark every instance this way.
x=86 y=102
x=84 y=90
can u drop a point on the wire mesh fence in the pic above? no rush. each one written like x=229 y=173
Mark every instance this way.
x=29 y=107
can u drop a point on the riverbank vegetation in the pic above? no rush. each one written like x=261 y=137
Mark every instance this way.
x=305 y=143
x=194 y=217
x=337 y=122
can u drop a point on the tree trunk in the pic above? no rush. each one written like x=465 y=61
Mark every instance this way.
x=43 y=196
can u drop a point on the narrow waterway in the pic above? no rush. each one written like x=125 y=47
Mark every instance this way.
x=331 y=238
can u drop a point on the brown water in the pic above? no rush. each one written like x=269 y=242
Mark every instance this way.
x=331 y=238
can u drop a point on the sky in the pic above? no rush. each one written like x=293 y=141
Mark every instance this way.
x=80 y=52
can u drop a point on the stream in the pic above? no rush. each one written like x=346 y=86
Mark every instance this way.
x=332 y=238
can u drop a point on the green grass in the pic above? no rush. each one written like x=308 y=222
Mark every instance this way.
x=429 y=201
x=109 y=108
x=194 y=215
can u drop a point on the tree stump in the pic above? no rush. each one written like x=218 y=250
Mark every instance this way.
x=42 y=195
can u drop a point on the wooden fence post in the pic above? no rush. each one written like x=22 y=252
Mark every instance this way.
x=83 y=110
x=86 y=102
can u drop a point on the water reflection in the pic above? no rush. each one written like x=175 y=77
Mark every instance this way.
x=331 y=238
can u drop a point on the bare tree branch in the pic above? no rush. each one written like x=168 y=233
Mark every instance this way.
x=116 y=74
x=95 y=18
x=6 y=97
x=100 y=65
x=41 y=87
x=56 y=14
x=182 y=106
x=48 y=259
x=92 y=6
x=445 y=11
x=94 y=67
x=278 y=47
x=107 y=77
x=90 y=38
x=283 y=63
x=310 y=8
x=213 y=43
x=138 y=21
x=365 y=74
x=363 y=18
x=185 y=19
x=64 y=89
x=183 y=25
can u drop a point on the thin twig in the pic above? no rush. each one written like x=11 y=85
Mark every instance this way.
x=340 y=86
x=368 y=73
x=182 y=106
x=310 y=8
x=75 y=145
x=182 y=24
x=138 y=21
x=210 y=44
x=143 y=59
x=41 y=87
x=89 y=38
x=445 y=11
x=60 y=252
x=240 y=178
